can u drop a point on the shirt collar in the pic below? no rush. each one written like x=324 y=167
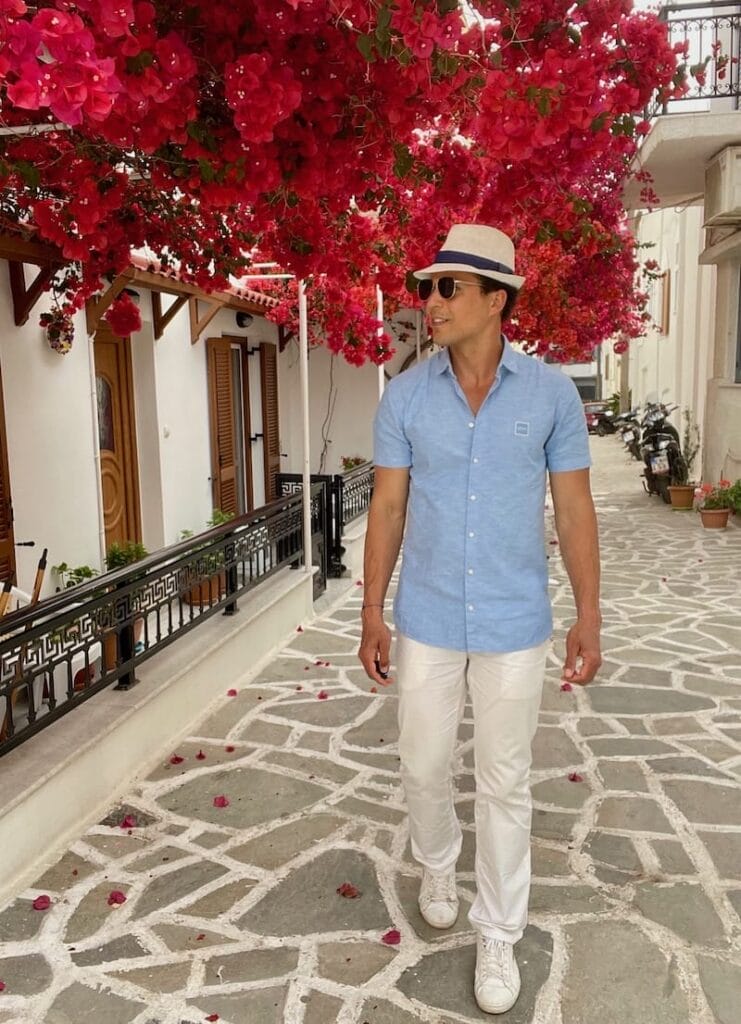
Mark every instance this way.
x=508 y=360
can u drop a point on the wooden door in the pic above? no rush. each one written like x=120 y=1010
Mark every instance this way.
x=270 y=423
x=117 y=433
x=223 y=432
x=7 y=543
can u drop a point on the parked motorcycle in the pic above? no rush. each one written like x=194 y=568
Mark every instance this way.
x=664 y=464
x=605 y=422
x=628 y=426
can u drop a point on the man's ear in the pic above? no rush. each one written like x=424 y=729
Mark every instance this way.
x=498 y=301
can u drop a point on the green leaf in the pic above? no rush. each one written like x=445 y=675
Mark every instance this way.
x=404 y=161
x=207 y=171
x=366 y=45
x=599 y=122
x=574 y=34
x=29 y=173
x=384 y=18
x=446 y=6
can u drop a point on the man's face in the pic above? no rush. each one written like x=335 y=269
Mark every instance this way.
x=469 y=312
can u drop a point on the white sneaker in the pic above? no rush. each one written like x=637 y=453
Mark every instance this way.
x=438 y=899
x=497 y=983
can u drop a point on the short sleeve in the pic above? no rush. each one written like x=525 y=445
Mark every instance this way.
x=567 y=447
x=391 y=447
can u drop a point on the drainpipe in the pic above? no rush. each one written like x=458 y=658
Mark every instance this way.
x=303 y=335
x=96 y=448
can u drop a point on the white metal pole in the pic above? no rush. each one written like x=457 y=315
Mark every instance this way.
x=96 y=448
x=381 y=375
x=303 y=334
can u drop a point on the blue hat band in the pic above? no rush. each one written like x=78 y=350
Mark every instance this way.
x=479 y=262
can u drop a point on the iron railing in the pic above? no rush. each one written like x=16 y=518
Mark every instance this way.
x=60 y=652
x=345 y=496
x=712 y=36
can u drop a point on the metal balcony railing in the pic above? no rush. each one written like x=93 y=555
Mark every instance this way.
x=57 y=654
x=712 y=36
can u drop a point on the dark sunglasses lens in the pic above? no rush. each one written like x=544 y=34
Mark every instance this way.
x=424 y=289
x=446 y=287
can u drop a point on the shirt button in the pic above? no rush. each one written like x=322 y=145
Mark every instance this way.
x=470 y=607
x=475 y=460
x=472 y=424
x=470 y=572
x=471 y=533
x=473 y=497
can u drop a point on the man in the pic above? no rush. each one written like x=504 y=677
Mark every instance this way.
x=462 y=446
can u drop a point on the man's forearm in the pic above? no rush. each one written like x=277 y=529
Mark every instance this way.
x=382 y=544
x=579 y=542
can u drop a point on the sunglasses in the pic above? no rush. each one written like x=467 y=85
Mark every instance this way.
x=446 y=287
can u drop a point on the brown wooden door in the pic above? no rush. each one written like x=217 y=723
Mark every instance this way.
x=270 y=424
x=223 y=432
x=117 y=433
x=7 y=543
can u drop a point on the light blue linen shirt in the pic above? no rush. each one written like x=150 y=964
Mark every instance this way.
x=474 y=573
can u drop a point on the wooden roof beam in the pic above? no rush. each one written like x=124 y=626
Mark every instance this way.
x=160 y=320
x=25 y=298
x=200 y=321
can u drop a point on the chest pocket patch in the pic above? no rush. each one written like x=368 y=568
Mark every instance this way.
x=522 y=428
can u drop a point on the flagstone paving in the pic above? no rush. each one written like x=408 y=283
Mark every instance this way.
x=233 y=910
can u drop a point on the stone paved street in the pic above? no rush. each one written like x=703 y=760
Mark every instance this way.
x=234 y=910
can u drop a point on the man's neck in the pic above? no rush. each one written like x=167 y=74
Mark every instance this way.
x=476 y=363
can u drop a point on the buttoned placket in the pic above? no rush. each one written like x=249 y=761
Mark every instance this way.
x=473 y=521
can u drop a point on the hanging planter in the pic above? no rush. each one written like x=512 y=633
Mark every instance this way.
x=59 y=330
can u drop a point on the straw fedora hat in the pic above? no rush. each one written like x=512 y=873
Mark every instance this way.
x=477 y=249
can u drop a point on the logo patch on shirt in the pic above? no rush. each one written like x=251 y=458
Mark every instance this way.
x=522 y=428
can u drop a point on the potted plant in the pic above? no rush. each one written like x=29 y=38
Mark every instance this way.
x=208 y=591
x=351 y=462
x=82 y=675
x=118 y=556
x=682 y=488
x=717 y=501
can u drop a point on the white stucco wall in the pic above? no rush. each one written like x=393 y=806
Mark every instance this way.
x=675 y=367
x=351 y=392
x=48 y=417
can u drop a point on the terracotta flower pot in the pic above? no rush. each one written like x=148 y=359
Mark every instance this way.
x=715 y=518
x=682 y=495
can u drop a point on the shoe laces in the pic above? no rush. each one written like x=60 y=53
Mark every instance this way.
x=440 y=885
x=496 y=957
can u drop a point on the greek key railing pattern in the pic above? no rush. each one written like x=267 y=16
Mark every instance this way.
x=357 y=491
x=60 y=652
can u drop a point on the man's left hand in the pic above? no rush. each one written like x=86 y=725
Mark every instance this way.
x=583 y=657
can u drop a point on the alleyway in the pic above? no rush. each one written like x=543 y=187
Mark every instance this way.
x=233 y=910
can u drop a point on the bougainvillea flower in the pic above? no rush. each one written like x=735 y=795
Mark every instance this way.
x=212 y=1017
x=232 y=693
x=200 y=756
x=374 y=689
x=221 y=801
x=124 y=317
x=116 y=898
x=230 y=749
x=392 y=937
x=128 y=822
x=41 y=903
x=576 y=777
x=566 y=687
x=2 y=986
x=322 y=695
x=349 y=891
x=176 y=759
x=299 y=629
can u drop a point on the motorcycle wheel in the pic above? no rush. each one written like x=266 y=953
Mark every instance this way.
x=601 y=429
x=662 y=489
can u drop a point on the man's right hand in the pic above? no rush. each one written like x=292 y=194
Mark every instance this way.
x=375 y=647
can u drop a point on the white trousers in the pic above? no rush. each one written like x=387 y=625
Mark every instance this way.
x=505 y=692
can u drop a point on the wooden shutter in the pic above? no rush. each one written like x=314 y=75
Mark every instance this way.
x=270 y=425
x=223 y=441
x=7 y=542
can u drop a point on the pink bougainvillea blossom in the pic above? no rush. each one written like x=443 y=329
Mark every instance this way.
x=566 y=687
x=221 y=801
x=116 y=898
x=232 y=693
x=41 y=903
x=176 y=759
x=392 y=937
x=575 y=777
x=349 y=891
x=322 y=695
x=129 y=821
